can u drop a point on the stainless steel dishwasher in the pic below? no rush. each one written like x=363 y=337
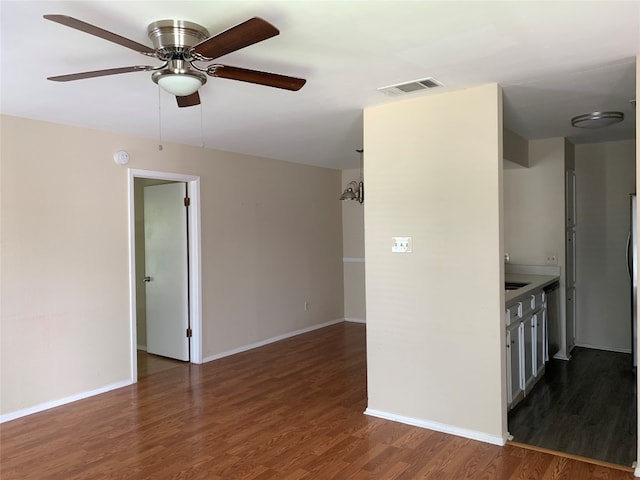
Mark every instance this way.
x=552 y=293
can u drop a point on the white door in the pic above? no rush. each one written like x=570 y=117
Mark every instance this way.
x=166 y=270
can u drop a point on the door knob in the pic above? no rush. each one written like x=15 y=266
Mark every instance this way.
x=147 y=279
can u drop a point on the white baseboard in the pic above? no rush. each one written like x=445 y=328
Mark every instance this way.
x=356 y=320
x=603 y=347
x=438 y=427
x=63 y=401
x=557 y=356
x=142 y=347
x=262 y=343
x=636 y=469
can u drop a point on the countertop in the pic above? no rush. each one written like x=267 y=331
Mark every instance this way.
x=535 y=282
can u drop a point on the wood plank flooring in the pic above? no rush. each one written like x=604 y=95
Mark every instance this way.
x=287 y=411
x=585 y=407
x=148 y=364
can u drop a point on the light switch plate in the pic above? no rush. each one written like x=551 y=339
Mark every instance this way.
x=401 y=244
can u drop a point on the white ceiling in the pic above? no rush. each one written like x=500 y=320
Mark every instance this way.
x=554 y=60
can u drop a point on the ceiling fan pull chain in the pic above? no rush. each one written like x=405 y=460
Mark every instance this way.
x=201 y=128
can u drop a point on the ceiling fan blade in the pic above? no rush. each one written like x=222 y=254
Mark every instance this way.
x=242 y=35
x=189 y=101
x=99 y=32
x=100 y=73
x=255 y=76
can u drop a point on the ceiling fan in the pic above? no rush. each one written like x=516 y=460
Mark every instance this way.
x=180 y=45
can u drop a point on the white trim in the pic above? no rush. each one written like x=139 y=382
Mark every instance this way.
x=557 y=356
x=602 y=347
x=262 y=343
x=353 y=260
x=62 y=401
x=142 y=347
x=195 y=252
x=356 y=320
x=438 y=427
x=636 y=472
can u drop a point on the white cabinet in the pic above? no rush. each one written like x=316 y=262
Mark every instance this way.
x=526 y=342
x=528 y=353
x=570 y=198
x=539 y=328
x=570 y=265
x=515 y=390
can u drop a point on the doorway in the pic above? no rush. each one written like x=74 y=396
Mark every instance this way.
x=136 y=263
x=586 y=404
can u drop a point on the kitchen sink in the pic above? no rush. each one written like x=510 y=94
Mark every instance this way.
x=514 y=285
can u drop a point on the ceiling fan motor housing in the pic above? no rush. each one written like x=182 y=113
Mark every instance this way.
x=171 y=34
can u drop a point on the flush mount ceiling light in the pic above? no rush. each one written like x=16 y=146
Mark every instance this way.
x=597 y=119
x=178 y=80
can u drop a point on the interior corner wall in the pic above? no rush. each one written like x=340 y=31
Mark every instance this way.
x=515 y=148
x=605 y=176
x=534 y=205
x=435 y=317
x=64 y=264
x=354 y=255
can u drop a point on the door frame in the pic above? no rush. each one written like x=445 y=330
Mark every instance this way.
x=195 y=263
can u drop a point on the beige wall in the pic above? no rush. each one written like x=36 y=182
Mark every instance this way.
x=605 y=176
x=271 y=240
x=353 y=251
x=435 y=317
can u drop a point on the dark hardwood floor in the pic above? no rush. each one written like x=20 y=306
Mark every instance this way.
x=290 y=410
x=586 y=407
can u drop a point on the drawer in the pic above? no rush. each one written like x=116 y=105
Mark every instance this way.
x=517 y=310
x=538 y=299
x=533 y=302
x=528 y=304
x=513 y=313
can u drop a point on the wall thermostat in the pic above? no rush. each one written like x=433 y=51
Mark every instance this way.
x=121 y=157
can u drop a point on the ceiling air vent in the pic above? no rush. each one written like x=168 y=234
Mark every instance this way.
x=410 y=87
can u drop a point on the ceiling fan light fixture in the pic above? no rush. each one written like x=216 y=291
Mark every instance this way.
x=597 y=119
x=179 y=84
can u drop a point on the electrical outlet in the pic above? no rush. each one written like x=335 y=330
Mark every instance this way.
x=401 y=245
x=551 y=260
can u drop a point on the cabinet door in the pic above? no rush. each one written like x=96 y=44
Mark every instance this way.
x=570 y=200
x=571 y=258
x=515 y=390
x=545 y=335
x=539 y=341
x=528 y=353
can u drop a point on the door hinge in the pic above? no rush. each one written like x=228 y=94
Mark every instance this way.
x=187 y=201
x=189 y=333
